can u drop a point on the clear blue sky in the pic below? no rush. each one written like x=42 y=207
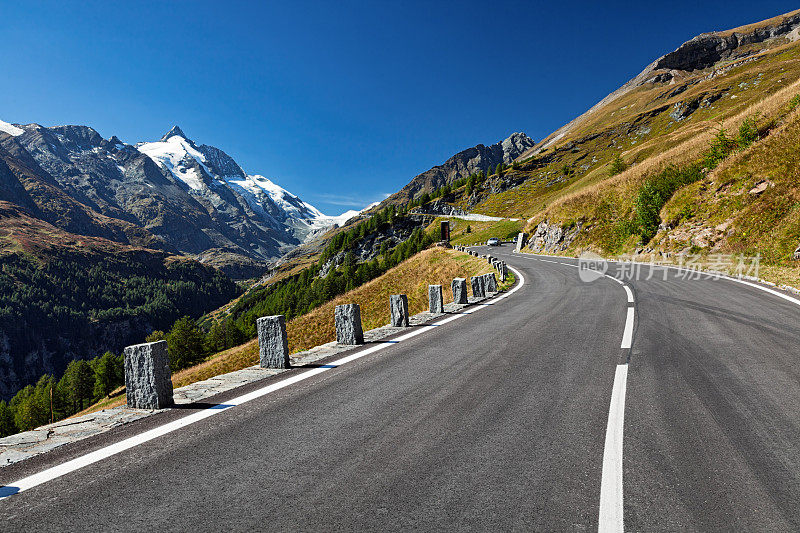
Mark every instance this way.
x=339 y=102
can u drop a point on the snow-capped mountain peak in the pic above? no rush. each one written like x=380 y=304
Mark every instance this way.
x=205 y=169
x=180 y=157
x=176 y=130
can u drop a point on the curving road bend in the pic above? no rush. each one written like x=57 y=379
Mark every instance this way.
x=496 y=420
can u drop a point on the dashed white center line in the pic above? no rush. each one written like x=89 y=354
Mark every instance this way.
x=611 y=506
x=627 y=335
x=630 y=294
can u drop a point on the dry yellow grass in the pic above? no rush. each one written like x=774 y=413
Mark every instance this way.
x=436 y=266
x=623 y=186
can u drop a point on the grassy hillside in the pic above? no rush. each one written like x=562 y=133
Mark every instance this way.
x=479 y=231
x=412 y=277
x=671 y=193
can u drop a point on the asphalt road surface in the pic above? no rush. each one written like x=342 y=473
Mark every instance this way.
x=502 y=419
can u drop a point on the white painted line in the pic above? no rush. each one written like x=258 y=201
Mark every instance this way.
x=126 y=444
x=627 y=335
x=611 y=507
x=630 y=294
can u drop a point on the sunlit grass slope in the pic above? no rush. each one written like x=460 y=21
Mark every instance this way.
x=412 y=277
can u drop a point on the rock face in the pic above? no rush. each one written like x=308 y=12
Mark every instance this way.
x=273 y=345
x=348 y=324
x=398 y=309
x=551 y=238
x=435 y=299
x=148 y=379
x=464 y=163
x=438 y=207
x=705 y=51
x=478 y=287
x=459 y=287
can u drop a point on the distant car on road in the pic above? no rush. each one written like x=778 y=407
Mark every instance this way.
x=494 y=241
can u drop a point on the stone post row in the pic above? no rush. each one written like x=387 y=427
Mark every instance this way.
x=348 y=324
x=273 y=345
x=148 y=378
x=398 y=309
x=459 y=287
x=435 y=300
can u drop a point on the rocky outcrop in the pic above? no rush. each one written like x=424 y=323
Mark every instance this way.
x=369 y=246
x=440 y=207
x=551 y=238
x=469 y=161
x=706 y=50
x=702 y=52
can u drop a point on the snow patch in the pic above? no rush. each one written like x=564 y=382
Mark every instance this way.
x=12 y=130
x=174 y=154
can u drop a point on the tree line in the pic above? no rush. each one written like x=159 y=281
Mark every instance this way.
x=83 y=383
x=189 y=342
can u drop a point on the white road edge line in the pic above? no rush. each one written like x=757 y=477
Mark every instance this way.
x=611 y=506
x=57 y=471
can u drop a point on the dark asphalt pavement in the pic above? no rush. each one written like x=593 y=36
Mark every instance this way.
x=495 y=421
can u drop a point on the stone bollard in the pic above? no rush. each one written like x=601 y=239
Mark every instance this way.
x=148 y=379
x=273 y=346
x=478 y=287
x=459 y=287
x=503 y=272
x=398 y=309
x=435 y=300
x=490 y=282
x=348 y=324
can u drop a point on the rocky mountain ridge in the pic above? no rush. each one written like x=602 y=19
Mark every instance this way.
x=461 y=165
x=172 y=194
x=702 y=52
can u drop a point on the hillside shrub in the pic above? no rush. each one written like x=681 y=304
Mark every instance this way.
x=655 y=193
x=617 y=165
